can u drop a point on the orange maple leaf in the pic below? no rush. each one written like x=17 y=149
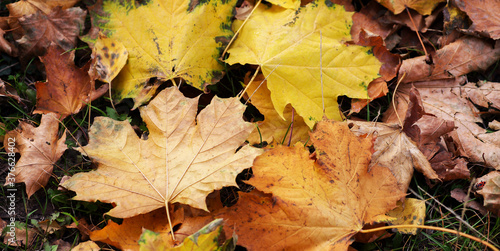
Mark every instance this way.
x=67 y=87
x=318 y=203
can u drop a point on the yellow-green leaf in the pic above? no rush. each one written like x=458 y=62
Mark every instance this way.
x=166 y=39
x=288 y=42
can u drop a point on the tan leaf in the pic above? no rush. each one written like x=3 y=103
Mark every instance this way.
x=274 y=127
x=491 y=191
x=456 y=59
x=315 y=204
x=449 y=101
x=484 y=15
x=183 y=160
x=40 y=148
x=86 y=246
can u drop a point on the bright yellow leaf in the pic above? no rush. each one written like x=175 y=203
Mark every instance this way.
x=288 y=42
x=182 y=160
x=289 y=4
x=166 y=39
x=109 y=56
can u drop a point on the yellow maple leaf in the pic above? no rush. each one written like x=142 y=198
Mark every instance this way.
x=166 y=39
x=274 y=128
x=183 y=159
x=287 y=43
x=315 y=203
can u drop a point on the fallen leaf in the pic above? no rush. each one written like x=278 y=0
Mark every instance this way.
x=23 y=236
x=86 y=246
x=28 y=7
x=449 y=101
x=456 y=59
x=184 y=43
x=372 y=236
x=6 y=90
x=108 y=58
x=126 y=235
x=454 y=20
x=61 y=27
x=410 y=212
x=185 y=157
x=461 y=196
x=244 y=10
x=274 y=127
x=394 y=150
x=68 y=87
x=483 y=14
x=423 y=7
x=367 y=19
x=491 y=192
x=315 y=204
x=207 y=238
x=286 y=44
x=40 y=148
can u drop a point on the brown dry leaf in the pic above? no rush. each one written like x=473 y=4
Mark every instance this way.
x=274 y=127
x=23 y=237
x=5 y=46
x=423 y=7
x=28 y=7
x=461 y=196
x=456 y=59
x=315 y=204
x=395 y=150
x=449 y=101
x=83 y=227
x=61 y=27
x=491 y=192
x=68 y=87
x=40 y=148
x=6 y=90
x=484 y=15
x=368 y=19
x=185 y=158
x=428 y=131
x=126 y=235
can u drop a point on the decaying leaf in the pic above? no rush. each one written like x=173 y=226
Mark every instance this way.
x=410 y=212
x=423 y=7
x=315 y=204
x=108 y=58
x=61 y=27
x=456 y=59
x=40 y=148
x=287 y=43
x=68 y=87
x=185 y=157
x=461 y=196
x=180 y=39
x=274 y=127
x=450 y=101
x=483 y=14
x=376 y=89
